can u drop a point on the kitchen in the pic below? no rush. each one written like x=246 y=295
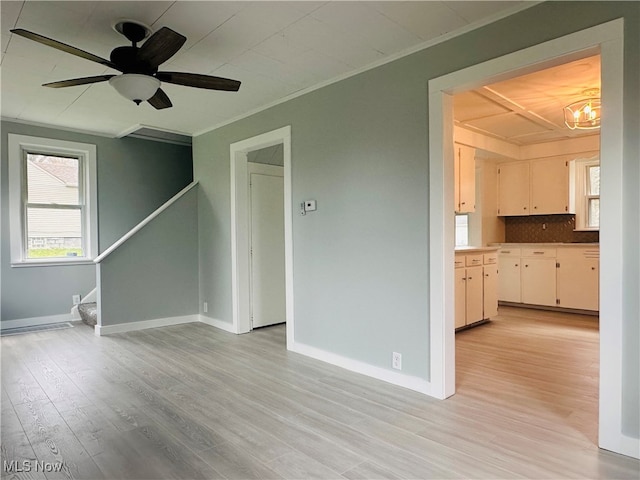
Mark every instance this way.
x=527 y=267
x=527 y=194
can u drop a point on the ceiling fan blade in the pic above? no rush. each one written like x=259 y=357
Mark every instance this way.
x=199 y=81
x=63 y=47
x=161 y=46
x=78 y=81
x=160 y=100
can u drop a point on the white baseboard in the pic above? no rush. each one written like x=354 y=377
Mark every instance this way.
x=214 y=322
x=101 y=330
x=401 y=379
x=33 y=321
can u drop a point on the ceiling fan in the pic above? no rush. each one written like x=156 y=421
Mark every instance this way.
x=140 y=79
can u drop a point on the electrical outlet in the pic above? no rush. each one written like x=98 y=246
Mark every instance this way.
x=75 y=299
x=396 y=361
x=205 y=307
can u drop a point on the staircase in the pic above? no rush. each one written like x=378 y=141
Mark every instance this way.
x=89 y=313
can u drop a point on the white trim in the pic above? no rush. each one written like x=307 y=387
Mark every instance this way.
x=87 y=152
x=608 y=40
x=214 y=322
x=378 y=63
x=101 y=330
x=34 y=321
x=57 y=127
x=407 y=381
x=240 y=267
x=144 y=222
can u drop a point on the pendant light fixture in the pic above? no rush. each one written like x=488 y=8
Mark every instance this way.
x=584 y=114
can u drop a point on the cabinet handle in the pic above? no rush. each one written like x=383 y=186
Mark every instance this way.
x=463 y=203
x=535 y=208
x=538 y=253
x=593 y=268
x=470 y=278
x=525 y=208
x=527 y=266
x=516 y=264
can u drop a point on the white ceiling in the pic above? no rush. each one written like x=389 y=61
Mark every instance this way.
x=274 y=48
x=529 y=109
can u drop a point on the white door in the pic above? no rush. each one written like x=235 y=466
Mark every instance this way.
x=266 y=190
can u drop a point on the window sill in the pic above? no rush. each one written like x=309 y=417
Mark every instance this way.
x=586 y=229
x=51 y=263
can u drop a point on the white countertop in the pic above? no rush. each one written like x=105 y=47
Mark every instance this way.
x=477 y=249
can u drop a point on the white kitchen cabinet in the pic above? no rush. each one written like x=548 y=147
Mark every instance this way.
x=490 y=291
x=566 y=276
x=578 y=278
x=513 y=189
x=475 y=297
x=538 y=276
x=465 y=178
x=460 y=297
x=509 y=275
x=549 y=187
x=534 y=187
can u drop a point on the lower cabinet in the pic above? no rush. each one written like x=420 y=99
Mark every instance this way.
x=578 y=277
x=476 y=296
x=490 y=291
x=538 y=276
x=509 y=279
x=567 y=276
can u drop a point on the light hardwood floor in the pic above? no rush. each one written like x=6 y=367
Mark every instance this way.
x=192 y=401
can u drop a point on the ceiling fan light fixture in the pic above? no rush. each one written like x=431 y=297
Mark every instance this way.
x=135 y=87
x=583 y=114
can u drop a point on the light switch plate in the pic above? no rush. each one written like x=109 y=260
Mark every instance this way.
x=310 y=206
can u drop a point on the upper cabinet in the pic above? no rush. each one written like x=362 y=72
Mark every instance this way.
x=534 y=187
x=513 y=189
x=549 y=187
x=465 y=178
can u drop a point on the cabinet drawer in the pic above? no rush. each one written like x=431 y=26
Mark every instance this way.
x=459 y=261
x=539 y=252
x=490 y=258
x=474 y=260
x=510 y=252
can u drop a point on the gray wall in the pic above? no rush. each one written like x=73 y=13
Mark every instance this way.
x=273 y=155
x=360 y=148
x=134 y=178
x=154 y=274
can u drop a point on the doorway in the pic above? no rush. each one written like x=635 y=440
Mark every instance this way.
x=241 y=271
x=266 y=227
x=605 y=39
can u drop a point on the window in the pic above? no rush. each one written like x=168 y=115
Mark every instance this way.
x=586 y=180
x=52 y=197
x=462 y=230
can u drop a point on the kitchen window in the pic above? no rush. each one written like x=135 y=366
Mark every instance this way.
x=52 y=199
x=586 y=179
x=462 y=230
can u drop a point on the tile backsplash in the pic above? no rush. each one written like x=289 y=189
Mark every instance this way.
x=546 y=229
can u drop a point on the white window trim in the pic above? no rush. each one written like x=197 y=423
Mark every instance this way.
x=579 y=179
x=17 y=145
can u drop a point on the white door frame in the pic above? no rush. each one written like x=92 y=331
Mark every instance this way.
x=606 y=39
x=240 y=261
